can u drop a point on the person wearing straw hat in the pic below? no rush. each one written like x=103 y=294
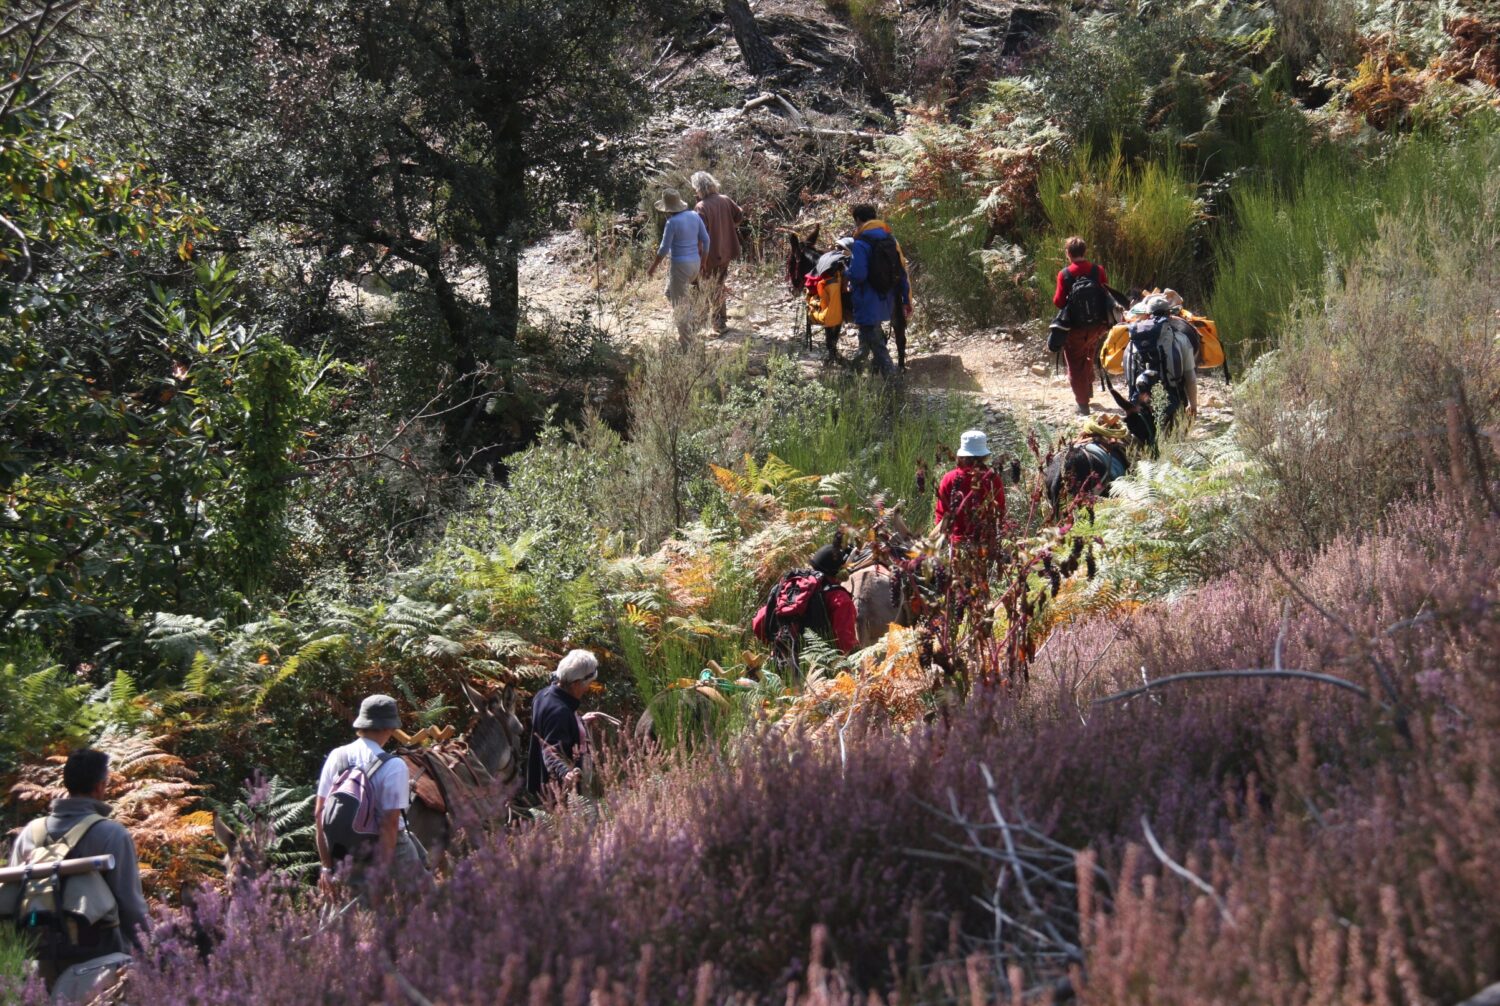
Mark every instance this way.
x=970 y=504
x=685 y=240
x=389 y=781
x=560 y=759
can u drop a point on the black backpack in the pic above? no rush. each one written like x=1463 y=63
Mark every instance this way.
x=1088 y=301
x=885 y=263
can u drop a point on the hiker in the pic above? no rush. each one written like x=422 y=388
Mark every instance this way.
x=560 y=760
x=73 y=950
x=363 y=793
x=1087 y=313
x=809 y=599
x=685 y=240
x=970 y=504
x=722 y=217
x=878 y=284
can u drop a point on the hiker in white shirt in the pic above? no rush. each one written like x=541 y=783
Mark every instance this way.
x=389 y=782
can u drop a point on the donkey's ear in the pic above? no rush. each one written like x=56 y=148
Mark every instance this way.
x=476 y=701
x=226 y=836
x=1120 y=399
x=812 y=238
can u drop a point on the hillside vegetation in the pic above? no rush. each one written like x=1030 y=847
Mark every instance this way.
x=281 y=427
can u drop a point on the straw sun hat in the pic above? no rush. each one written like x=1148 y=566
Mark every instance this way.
x=670 y=202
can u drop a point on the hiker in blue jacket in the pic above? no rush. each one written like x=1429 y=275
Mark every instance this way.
x=878 y=284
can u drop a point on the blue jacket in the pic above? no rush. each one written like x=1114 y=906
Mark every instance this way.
x=870 y=308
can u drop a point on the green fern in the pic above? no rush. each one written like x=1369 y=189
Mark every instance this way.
x=177 y=638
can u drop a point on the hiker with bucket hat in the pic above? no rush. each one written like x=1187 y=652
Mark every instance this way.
x=970 y=504
x=363 y=793
x=684 y=239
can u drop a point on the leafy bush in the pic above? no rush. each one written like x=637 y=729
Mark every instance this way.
x=43 y=707
x=877 y=437
x=1353 y=411
x=943 y=249
x=1296 y=800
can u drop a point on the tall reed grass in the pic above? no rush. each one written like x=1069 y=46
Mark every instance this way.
x=1287 y=247
x=1137 y=220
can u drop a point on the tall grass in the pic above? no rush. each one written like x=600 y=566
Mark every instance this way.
x=878 y=434
x=1286 y=247
x=13 y=967
x=1137 y=220
x=942 y=246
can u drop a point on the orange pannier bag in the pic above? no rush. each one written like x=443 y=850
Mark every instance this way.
x=825 y=299
x=1210 y=349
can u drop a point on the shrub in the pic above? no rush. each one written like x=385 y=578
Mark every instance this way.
x=943 y=245
x=877 y=436
x=1138 y=221
x=1352 y=411
x=1284 y=247
x=1301 y=804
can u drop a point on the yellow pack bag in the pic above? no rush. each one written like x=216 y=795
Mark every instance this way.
x=1112 y=353
x=825 y=299
x=1211 y=352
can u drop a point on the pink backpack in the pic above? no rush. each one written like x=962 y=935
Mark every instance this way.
x=351 y=819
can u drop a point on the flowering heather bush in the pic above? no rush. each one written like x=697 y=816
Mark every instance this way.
x=1353 y=864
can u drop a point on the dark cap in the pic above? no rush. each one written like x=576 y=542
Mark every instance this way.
x=378 y=712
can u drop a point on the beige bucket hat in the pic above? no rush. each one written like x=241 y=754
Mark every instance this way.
x=670 y=202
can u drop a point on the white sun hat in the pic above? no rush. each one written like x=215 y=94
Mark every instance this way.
x=974 y=445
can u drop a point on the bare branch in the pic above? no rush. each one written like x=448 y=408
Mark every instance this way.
x=1185 y=873
x=1262 y=672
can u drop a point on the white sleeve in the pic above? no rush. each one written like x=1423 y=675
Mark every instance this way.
x=394 y=785
x=329 y=775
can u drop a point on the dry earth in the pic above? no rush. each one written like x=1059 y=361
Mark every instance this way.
x=1007 y=371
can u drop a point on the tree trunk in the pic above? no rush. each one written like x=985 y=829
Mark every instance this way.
x=454 y=318
x=759 y=54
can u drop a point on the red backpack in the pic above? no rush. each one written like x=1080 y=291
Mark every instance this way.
x=788 y=604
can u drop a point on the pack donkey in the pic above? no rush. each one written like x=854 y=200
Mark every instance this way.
x=468 y=780
x=804 y=260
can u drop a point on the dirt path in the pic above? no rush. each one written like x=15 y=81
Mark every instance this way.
x=1005 y=371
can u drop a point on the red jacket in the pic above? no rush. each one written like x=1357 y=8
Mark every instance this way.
x=1065 y=279
x=839 y=604
x=976 y=499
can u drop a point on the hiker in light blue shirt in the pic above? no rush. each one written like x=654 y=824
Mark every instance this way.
x=685 y=239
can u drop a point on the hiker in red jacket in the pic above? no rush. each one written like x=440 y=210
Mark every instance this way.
x=830 y=613
x=970 y=505
x=1086 y=330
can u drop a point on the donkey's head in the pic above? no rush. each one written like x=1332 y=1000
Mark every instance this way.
x=802 y=257
x=496 y=736
x=1140 y=419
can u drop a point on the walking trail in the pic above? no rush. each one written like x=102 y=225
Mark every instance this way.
x=1006 y=371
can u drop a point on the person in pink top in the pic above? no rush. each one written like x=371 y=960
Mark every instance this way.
x=723 y=217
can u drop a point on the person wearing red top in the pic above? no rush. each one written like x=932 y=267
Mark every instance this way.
x=831 y=614
x=970 y=504
x=1083 y=342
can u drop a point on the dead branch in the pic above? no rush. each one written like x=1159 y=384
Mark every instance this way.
x=1185 y=873
x=1261 y=672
